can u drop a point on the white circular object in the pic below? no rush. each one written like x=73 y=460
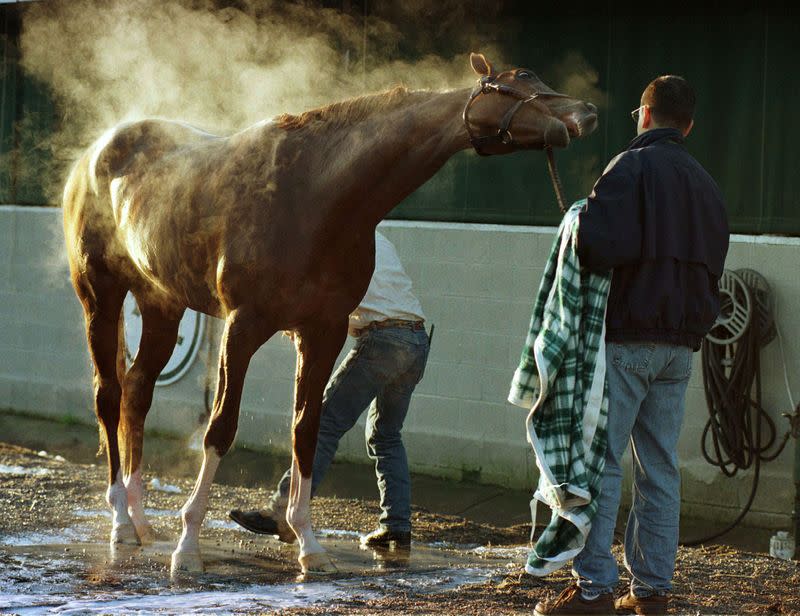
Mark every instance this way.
x=735 y=309
x=190 y=336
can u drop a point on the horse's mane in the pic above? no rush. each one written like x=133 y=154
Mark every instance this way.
x=347 y=112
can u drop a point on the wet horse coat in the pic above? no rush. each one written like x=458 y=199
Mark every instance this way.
x=269 y=229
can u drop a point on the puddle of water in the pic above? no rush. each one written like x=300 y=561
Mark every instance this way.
x=518 y=553
x=252 y=598
x=66 y=536
x=97 y=513
x=332 y=532
x=19 y=471
x=226 y=524
x=158 y=513
x=155 y=484
x=86 y=580
x=249 y=598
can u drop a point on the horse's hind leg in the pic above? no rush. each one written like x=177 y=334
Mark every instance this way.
x=245 y=331
x=159 y=333
x=102 y=296
x=317 y=349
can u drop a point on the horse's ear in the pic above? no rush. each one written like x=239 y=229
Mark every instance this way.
x=480 y=64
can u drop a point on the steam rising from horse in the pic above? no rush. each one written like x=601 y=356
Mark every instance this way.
x=269 y=229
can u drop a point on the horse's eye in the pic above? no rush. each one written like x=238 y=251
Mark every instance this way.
x=523 y=75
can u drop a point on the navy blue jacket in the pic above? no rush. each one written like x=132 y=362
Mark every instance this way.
x=658 y=219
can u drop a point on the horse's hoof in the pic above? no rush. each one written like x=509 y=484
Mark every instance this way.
x=147 y=535
x=125 y=534
x=286 y=534
x=186 y=562
x=318 y=563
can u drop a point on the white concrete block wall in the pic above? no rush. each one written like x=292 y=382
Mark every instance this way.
x=476 y=283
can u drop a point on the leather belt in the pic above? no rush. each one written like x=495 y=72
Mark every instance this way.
x=387 y=323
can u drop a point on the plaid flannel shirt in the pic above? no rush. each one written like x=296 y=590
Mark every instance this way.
x=561 y=379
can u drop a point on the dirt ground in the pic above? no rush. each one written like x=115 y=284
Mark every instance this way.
x=50 y=495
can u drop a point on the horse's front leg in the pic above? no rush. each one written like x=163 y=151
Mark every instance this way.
x=317 y=349
x=244 y=332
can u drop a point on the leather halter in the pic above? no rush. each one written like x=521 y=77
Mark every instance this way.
x=487 y=84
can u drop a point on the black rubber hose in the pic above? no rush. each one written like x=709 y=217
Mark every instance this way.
x=732 y=384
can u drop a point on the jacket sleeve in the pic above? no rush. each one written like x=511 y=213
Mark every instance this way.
x=610 y=227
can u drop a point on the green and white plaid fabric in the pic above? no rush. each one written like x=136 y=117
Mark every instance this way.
x=562 y=380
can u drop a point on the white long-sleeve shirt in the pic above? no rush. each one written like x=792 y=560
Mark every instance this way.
x=390 y=294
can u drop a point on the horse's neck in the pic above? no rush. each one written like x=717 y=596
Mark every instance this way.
x=380 y=161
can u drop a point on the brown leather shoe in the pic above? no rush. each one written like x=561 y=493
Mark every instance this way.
x=631 y=604
x=571 y=602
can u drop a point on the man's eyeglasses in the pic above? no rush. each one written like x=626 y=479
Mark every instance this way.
x=635 y=113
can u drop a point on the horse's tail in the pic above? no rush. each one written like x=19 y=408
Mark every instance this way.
x=88 y=221
x=106 y=155
x=73 y=206
x=89 y=218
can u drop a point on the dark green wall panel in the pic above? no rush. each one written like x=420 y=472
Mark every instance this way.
x=780 y=212
x=742 y=63
x=27 y=122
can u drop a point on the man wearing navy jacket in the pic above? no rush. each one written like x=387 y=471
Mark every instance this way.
x=657 y=219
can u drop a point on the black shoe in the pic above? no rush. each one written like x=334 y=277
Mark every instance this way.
x=254 y=521
x=257 y=522
x=382 y=537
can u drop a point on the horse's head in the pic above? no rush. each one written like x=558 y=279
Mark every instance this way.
x=515 y=110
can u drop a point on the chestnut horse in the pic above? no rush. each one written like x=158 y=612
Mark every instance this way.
x=269 y=229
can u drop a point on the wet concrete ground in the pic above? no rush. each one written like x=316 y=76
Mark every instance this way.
x=252 y=469
x=86 y=577
x=58 y=561
x=54 y=556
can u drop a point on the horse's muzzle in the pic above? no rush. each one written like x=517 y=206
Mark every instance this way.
x=556 y=134
x=580 y=126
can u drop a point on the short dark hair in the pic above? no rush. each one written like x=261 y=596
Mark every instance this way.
x=671 y=100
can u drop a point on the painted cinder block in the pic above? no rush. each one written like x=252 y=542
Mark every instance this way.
x=495 y=385
x=485 y=315
x=39 y=241
x=8 y=234
x=476 y=282
x=434 y=414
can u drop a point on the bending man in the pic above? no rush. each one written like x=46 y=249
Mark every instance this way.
x=381 y=372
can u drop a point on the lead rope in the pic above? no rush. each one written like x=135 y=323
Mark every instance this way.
x=551 y=167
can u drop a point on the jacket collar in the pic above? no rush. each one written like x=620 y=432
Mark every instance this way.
x=655 y=135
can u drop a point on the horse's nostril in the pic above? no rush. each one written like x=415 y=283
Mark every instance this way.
x=591 y=108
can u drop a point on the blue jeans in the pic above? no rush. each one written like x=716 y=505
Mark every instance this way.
x=646 y=398
x=383 y=369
